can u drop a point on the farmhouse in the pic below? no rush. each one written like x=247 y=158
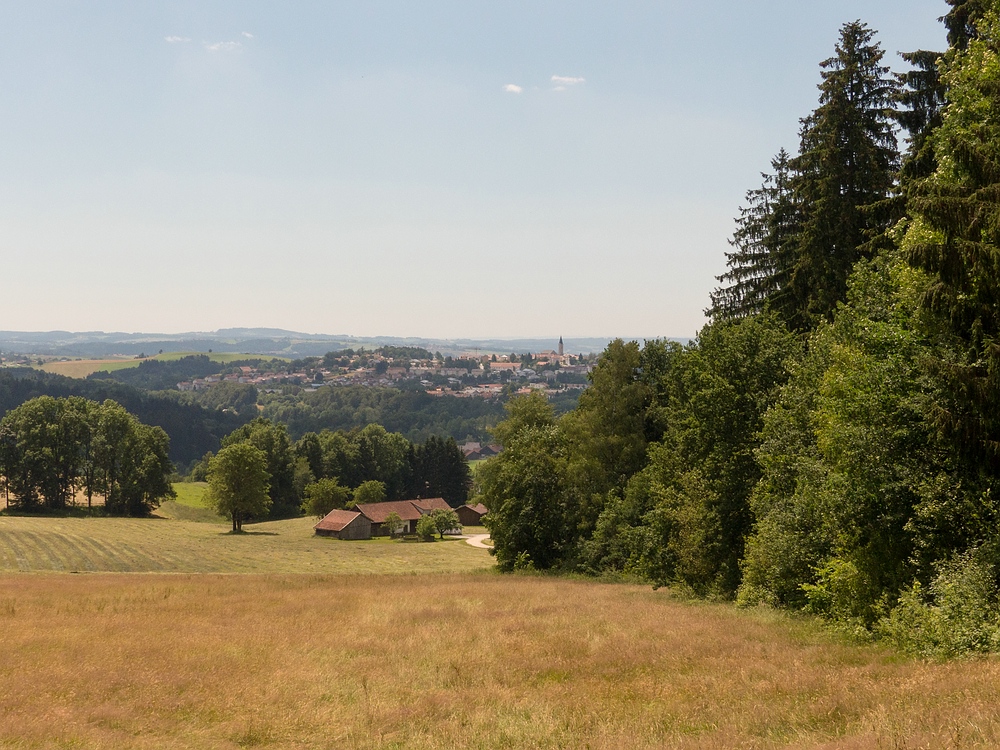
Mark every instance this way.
x=366 y=520
x=409 y=512
x=471 y=515
x=344 y=524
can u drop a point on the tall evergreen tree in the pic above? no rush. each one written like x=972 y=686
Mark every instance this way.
x=955 y=235
x=962 y=21
x=758 y=264
x=847 y=161
x=921 y=99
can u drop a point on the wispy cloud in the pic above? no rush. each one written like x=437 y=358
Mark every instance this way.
x=248 y=35
x=176 y=39
x=223 y=46
x=513 y=88
x=567 y=80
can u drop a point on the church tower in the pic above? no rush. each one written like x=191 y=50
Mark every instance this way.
x=560 y=346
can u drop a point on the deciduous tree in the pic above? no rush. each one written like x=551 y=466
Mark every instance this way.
x=324 y=495
x=371 y=491
x=525 y=488
x=239 y=483
x=445 y=520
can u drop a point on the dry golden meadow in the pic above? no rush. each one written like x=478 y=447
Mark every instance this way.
x=450 y=661
x=81 y=368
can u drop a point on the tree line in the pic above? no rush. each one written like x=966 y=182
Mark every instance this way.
x=334 y=469
x=193 y=428
x=53 y=448
x=831 y=440
x=414 y=413
x=197 y=422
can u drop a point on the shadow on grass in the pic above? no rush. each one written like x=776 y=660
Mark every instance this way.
x=78 y=511
x=248 y=533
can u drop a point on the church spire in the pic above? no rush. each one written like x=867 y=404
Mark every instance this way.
x=560 y=346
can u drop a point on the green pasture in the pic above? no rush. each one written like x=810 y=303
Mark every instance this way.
x=223 y=357
x=173 y=545
x=190 y=504
x=475 y=464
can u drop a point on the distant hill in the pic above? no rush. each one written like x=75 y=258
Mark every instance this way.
x=261 y=341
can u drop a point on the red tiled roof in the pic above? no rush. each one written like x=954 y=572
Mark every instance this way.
x=408 y=510
x=336 y=520
x=480 y=509
x=432 y=503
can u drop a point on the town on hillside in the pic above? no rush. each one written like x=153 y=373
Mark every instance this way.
x=469 y=375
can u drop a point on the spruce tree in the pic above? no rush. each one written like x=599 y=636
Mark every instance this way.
x=955 y=237
x=803 y=230
x=847 y=162
x=962 y=20
x=921 y=100
x=758 y=264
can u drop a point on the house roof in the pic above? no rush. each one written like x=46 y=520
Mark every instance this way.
x=480 y=509
x=408 y=510
x=336 y=520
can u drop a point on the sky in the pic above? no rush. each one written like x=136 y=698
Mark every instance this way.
x=438 y=169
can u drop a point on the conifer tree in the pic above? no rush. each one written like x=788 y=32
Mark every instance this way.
x=962 y=20
x=758 y=264
x=804 y=229
x=955 y=236
x=847 y=161
x=921 y=97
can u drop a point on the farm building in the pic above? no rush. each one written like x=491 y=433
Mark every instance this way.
x=344 y=524
x=471 y=515
x=409 y=512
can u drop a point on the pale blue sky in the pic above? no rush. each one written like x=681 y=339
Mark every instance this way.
x=369 y=168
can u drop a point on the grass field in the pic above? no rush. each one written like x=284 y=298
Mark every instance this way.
x=451 y=661
x=166 y=545
x=81 y=368
x=191 y=504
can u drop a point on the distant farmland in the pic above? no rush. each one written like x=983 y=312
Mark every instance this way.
x=81 y=368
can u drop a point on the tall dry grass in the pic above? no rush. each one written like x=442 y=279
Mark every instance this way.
x=450 y=661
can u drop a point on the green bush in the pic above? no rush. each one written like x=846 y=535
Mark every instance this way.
x=841 y=593
x=426 y=528
x=958 y=615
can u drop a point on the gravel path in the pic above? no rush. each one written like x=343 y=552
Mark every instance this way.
x=478 y=540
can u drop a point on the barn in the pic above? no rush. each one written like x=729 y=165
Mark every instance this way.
x=471 y=515
x=409 y=512
x=344 y=524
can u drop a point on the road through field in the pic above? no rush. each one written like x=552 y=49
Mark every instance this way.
x=479 y=540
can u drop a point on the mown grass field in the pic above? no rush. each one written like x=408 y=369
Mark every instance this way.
x=30 y=544
x=451 y=661
x=81 y=368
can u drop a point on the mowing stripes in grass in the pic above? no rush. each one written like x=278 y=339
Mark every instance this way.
x=160 y=545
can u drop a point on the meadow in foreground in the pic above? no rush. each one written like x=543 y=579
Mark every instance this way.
x=451 y=661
